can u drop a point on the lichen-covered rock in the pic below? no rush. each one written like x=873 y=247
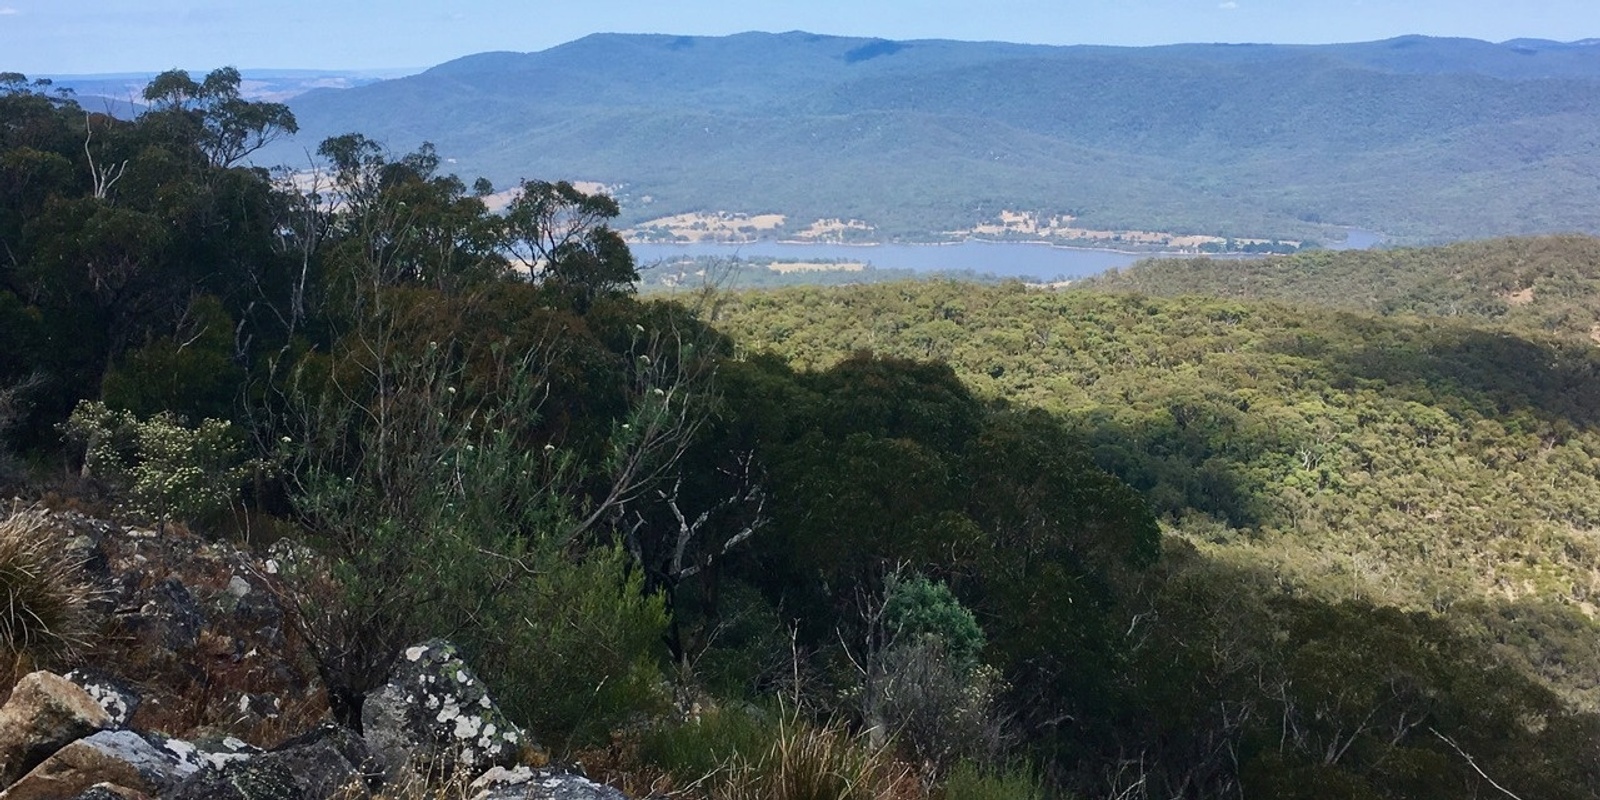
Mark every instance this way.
x=435 y=714
x=523 y=783
x=213 y=754
x=118 y=700
x=45 y=713
x=110 y=791
x=121 y=758
x=327 y=762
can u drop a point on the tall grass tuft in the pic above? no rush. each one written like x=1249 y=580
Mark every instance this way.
x=44 y=596
x=807 y=762
x=732 y=754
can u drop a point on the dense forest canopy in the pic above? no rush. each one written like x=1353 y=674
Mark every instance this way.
x=1078 y=543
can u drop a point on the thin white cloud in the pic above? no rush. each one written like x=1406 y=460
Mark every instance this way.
x=8 y=11
x=1228 y=6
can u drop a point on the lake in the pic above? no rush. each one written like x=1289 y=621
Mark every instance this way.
x=1006 y=259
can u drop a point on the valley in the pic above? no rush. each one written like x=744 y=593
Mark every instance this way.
x=785 y=416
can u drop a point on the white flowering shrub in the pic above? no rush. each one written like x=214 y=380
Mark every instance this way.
x=161 y=468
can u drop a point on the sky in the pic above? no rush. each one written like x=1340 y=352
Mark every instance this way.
x=42 y=37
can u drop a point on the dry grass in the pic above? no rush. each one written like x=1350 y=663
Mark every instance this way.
x=44 y=608
x=416 y=786
x=805 y=762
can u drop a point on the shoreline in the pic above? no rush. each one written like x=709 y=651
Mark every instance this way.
x=957 y=243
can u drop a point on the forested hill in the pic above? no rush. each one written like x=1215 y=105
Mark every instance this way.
x=1549 y=283
x=1419 y=462
x=1079 y=545
x=1424 y=139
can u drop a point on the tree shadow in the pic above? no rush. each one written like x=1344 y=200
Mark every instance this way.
x=1488 y=373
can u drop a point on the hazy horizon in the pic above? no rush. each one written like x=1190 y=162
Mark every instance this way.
x=95 y=37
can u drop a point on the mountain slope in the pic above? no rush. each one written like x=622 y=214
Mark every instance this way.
x=1427 y=463
x=1547 y=284
x=1424 y=139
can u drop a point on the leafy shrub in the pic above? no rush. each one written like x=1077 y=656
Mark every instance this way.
x=937 y=711
x=46 y=600
x=748 y=648
x=916 y=608
x=695 y=750
x=929 y=689
x=437 y=515
x=161 y=468
x=587 y=651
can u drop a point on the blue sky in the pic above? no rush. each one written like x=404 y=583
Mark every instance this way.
x=84 y=36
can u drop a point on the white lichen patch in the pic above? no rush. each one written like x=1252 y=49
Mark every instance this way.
x=450 y=712
x=467 y=727
x=414 y=653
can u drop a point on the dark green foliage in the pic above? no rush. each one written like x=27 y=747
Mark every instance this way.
x=883 y=463
x=1344 y=490
x=916 y=608
x=191 y=373
x=968 y=781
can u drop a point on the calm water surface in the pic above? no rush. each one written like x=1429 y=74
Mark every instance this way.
x=1006 y=259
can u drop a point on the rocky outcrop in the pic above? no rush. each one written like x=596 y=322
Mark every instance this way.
x=524 y=783
x=194 y=629
x=45 y=713
x=327 y=762
x=435 y=715
x=122 y=759
x=196 y=645
x=119 y=701
x=434 y=719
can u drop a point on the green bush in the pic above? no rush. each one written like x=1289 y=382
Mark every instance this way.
x=437 y=517
x=586 y=655
x=693 y=750
x=161 y=468
x=749 y=645
x=968 y=781
x=915 y=608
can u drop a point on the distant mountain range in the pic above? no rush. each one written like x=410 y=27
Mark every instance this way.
x=1424 y=139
